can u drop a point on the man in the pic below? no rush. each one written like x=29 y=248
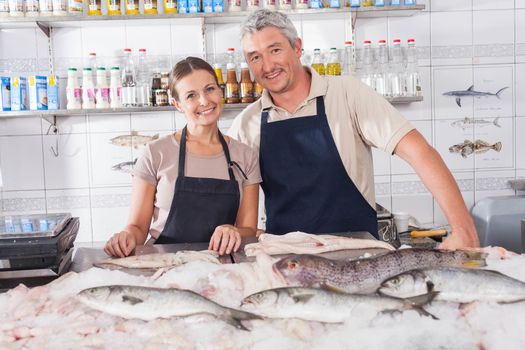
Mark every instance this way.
x=315 y=134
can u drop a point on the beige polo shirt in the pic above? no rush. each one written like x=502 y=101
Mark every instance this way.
x=358 y=117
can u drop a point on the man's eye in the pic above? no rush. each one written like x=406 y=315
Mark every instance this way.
x=276 y=50
x=254 y=58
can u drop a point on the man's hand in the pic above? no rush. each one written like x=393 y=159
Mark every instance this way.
x=461 y=239
x=225 y=239
x=121 y=244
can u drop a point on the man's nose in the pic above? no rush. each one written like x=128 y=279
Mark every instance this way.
x=267 y=64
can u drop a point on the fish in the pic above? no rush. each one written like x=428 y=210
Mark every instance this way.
x=305 y=243
x=313 y=304
x=455 y=284
x=134 y=140
x=479 y=146
x=125 y=167
x=469 y=122
x=146 y=303
x=458 y=94
x=365 y=275
x=159 y=260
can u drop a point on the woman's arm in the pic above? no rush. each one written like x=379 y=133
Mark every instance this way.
x=136 y=231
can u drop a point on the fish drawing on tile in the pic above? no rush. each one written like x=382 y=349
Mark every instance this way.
x=125 y=167
x=468 y=147
x=470 y=122
x=134 y=139
x=458 y=94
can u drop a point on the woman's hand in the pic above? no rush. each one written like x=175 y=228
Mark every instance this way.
x=225 y=239
x=120 y=244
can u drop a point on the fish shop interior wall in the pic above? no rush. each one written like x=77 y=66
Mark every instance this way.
x=461 y=43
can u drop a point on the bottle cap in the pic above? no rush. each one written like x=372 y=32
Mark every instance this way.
x=115 y=68
x=397 y=41
x=348 y=43
x=231 y=49
x=382 y=42
x=87 y=69
x=127 y=50
x=92 y=54
x=411 y=41
x=72 y=69
x=244 y=65
x=317 y=50
x=142 y=50
x=216 y=66
x=333 y=49
x=367 y=42
x=101 y=68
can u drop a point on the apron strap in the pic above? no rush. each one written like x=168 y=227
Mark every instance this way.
x=227 y=154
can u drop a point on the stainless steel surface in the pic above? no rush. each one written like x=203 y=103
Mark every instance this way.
x=348 y=254
x=523 y=235
x=85 y=257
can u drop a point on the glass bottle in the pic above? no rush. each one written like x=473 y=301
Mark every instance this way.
x=129 y=81
x=232 y=87
x=246 y=84
x=333 y=67
x=381 y=85
x=367 y=69
x=396 y=75
x=218 y=73
x=412 y=79
x=257 y=91
x=143 y=81
x=317 y=62
x=348 y=59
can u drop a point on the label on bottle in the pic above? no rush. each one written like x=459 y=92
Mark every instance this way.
x=77 y=94
x=246 y=92
x=232 y=93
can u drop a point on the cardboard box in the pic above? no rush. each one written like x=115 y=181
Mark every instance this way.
x=37 y=91
x=19 y=101
x=5 y=94
x=52 y=92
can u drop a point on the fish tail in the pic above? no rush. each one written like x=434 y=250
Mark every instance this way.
x=511 y=302
x=495 y=122
x=500 y=90
x=475 y=259
x=235 y=318
x=497 y=146
x=416 y=303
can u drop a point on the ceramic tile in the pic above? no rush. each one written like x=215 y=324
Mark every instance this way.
x=104 y=156
x=520 y=4
x=22 y=165
x=23 y=202
x=42 y=46
x=114 y=122
x=497 y=80
x=152 y=121
x=492 y=5
x=67 y=125
x=76 y=202
x=520 y=26
x=410 y=195
x=186 y=37
x=222 y=37
x=443 y=24
x=520 y=89
x=493 y=36
x=10 y=44
x=112 y=33
x=451 y=5
x=452 y=81
x=448 y=134
x=420 y=110
x=381 y=162
x=399 y=166
x=155 y=38
x=332 y=35
x=67 y=42
x=373 y=29
x=493 y=183
x=405 y=27
x=70 y=168
x=20 y=126
x=385 y=202
x=110 y=210
x=520 y=143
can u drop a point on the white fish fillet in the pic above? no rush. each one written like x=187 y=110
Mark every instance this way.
x=305 y=243
x=160 y=260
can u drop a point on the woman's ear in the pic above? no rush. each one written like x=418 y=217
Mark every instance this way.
x=176 y=104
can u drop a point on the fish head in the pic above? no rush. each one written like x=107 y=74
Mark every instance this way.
x=263 y=299
x=95 y=294
x=406 y=285
x=299 y=270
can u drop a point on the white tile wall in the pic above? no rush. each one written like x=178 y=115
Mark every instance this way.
x=22 y=165
x=493 y=36
x=451 y=5
x=520 y=89
x=492 y=5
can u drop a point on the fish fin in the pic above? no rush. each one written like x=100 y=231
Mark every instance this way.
x=476 y=259
x=417 y=302
x=131 y=300
x=330 y=287
x=156 y=136
x=500 y=91
x=495 y=122
x=135 y=161
x=481 y=143
x=235 y=317
x=470 y=88
x=497 y=146
x=511 y=302
x=458 y=101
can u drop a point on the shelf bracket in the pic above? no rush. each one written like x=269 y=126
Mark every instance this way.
x=44 y=28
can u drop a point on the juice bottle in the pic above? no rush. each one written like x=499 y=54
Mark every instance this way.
x=88 y=89
x=73 y=90
x=132 y=7
x=232 y=87
x=218 y=73
x=366 y=3
x=333 y=67
x=246 y=84
x=317 y=62
x=94 y=8
x=113 y=7
x=115 y=86
x=170 y=6
x=102 y=92
x=150 y=7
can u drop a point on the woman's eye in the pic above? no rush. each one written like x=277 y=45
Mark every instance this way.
x=190 y=96
x=210 y=88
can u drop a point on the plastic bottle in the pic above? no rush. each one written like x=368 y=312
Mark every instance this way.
x=412 y=79
x=170 y=6
x=113 y=7
x=129 y=81
x=285 y=4
x=73 y=90
x=230 y=55
x=132 y=7
x=317 y=62
x=92 y=63
x=115 y=87
x=150 y=7
x=366 y=3
x=355 y=3
x=46 y=7
x=232 y=87
x=379 y=3
x=246 y=92
x=381 y=80
x=32 y=7
x=88 y=89
x=74 y=7
x=234 y=6
x=218 y=73
x=348 y=59
x=94 y=8
x=4 y=8
x=301 y=4
x=333 y=67
x=102 y=91
x=16 y=8
x=252 y=5
x=410 y=2
x=270 y=5
x=367 y=69
x=143 y=81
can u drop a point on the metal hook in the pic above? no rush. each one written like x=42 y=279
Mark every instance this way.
x=54 y=127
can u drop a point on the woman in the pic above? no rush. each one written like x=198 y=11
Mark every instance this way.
x=195 y=185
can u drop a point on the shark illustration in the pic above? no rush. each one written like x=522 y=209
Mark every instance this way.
x=458 y=94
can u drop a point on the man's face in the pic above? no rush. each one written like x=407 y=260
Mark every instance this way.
x=272 y=60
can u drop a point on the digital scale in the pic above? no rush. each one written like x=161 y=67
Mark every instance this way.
x=35 y=249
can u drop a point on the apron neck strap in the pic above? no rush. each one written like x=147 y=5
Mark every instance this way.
x=182 y=153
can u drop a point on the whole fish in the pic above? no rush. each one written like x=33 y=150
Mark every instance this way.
x=455 y=284
x=145 y=303
x=125 y=167
x=458 y=94
x=469 y=122
x=133 y=140
x=479 y=146
x=313 y=304
x=159 y=260
x=365 y=275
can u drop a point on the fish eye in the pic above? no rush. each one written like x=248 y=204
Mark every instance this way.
x=292 y=264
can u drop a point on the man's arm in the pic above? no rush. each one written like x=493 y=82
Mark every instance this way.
x=429 y=165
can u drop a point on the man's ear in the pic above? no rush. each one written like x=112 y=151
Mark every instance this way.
x=298 y=46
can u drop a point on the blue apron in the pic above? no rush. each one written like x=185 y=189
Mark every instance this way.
x=199 y=205
x=305 y=183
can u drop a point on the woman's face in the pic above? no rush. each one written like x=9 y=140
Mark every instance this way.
x=199 y=98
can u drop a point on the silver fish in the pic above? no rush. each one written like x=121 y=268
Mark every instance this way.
x=159 y=260
x=470 y=122
x=458 y=94
x=455 y=284
x=321 y=305
x=125 y=167
x=479 y=146
x=365 y=275
x=145 y=303
x=133 y=140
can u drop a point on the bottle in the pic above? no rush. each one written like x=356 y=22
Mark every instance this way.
x=381 y=85
x=234 y=6
x=333 y=67
x=92 y=63
x=366 y=3
x=410 y=2
x=143 y=81
x=252 y=5
x=230 y=55
x=246 y=84
x=379 y=3
x=218 y=73
x=285 y=4
x=46 y=7
x=270 y=5
x=355 y=3
x=115 y=87
x=4 y=10
x=301 y=4
x=232 y=87
x=150 y=7
x=94 y=8
x=32 y=7
x=257 y=91
x=74 y=7
x=155 y=85
x=16 y=8
x=170 y=6
x=129 y=81
x=102 y=92
x=88 y=89
x=317 y=62
x=348 y=59
x=73 y=90
x=412 y=82
x=132 y=7
x=396 y=74
x=367 y=73
x=113 y=7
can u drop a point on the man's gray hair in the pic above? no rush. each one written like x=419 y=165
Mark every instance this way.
x=263 y=18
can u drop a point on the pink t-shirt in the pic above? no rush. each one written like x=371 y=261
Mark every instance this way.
x=159 y=165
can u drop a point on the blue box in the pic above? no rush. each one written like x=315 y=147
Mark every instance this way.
x=19 y=101
x=5 y=93
x=218 y=5
x=335 y=3
x=379 y=3
x=194 y=6
x=410 y=2
x=182 y=6
x=37 y=92
x=207 y=6
x=355 y=3
x=395 y=2
x=316 y=4
x=52 y=92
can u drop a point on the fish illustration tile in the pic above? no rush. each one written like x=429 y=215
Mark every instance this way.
x=467 y=147
x=450 y=80
x=470 y=92
x=471 y=122
x=133 y=140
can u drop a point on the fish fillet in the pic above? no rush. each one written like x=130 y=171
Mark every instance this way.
x=160 y=260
